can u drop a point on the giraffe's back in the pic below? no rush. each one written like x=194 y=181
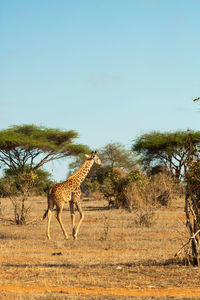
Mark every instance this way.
x=62 y=192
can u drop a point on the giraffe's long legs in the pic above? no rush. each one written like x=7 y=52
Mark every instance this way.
x=49 y=215
x=79 y=208
x=59 y=211
x=71 y=205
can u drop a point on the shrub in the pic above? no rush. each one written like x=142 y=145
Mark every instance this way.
x=162 y=188
x=18 y=187
x=145 y=217
x=137 y=189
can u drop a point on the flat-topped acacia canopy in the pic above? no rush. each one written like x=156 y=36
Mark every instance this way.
x=36 y=145
x=172 y=149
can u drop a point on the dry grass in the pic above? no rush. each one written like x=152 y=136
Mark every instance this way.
x=112 y=258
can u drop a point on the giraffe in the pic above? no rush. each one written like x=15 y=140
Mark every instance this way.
x=69 y=191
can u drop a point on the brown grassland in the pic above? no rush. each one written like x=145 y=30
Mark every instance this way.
x=112 y=258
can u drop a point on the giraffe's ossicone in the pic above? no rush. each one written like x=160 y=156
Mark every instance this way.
x=69 y=191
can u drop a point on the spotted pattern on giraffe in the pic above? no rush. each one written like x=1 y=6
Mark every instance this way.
x=69 y=191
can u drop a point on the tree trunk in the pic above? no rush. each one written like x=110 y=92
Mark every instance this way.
x=22 y=216
x=0 y=209
x=192 y=223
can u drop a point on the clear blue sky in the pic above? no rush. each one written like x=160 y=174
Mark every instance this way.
x=109 y=69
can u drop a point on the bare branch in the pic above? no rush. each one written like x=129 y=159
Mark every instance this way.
x=190 y=239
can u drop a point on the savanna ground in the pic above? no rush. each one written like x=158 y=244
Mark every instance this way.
x=112 y=258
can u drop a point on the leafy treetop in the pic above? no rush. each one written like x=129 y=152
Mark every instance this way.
x=173 y=149
x=35 y=146
x=115 y=155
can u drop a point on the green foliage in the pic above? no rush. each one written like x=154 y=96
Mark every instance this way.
x=115 y=185
x=115 y=155
x=166 y=141
x=42 y=182
x=90 y=186
x=10 y=184
x=171 y=149
x=33 y=136
x=8 y=187
x=109 y=185
x=33 y=145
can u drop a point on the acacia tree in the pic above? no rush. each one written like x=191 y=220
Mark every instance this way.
x=26 y=148
x=192 y=210
x=179 y=152
x=115 y=155
x=175 y=150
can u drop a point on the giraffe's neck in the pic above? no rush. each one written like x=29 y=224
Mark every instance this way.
x=81 y=173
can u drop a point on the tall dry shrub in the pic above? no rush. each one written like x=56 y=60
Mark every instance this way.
x=138 y=190
x=162 y=188
x=18 y=190
x=122 y=189
x=134 y=189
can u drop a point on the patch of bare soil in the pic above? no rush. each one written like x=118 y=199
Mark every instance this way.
x=171 y=292
x=115 y=261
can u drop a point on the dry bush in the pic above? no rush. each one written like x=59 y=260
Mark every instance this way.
x=162 y=188
x=131 y=190
x=134 y=196
x=144 y=211
x=18 y=190
x=158 y=189
x=145 y=217
x=145 y=194
x=140 y=192
x=106 y=227
x=21 y=212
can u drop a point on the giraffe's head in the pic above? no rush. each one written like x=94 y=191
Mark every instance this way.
x=94 y=157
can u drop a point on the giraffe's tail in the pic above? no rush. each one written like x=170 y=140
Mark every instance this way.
x=45 y=214
x=49 y=205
